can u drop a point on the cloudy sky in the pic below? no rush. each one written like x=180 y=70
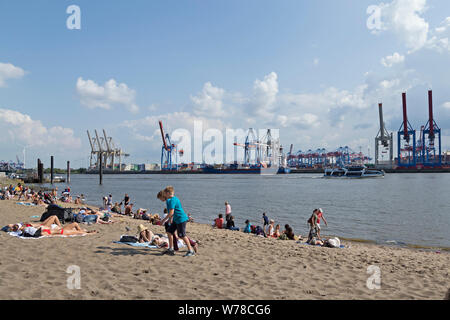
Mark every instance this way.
x=315 y=70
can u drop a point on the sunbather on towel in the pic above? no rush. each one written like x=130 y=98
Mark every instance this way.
x=28 y=230
x=163 y=242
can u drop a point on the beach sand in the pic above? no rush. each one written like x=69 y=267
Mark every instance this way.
x=230 y=265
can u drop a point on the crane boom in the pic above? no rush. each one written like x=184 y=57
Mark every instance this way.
x=98 y=141
x=430 y=114
x=162 y=135
x=90 y=140
x=380 y=109
x=405 y=118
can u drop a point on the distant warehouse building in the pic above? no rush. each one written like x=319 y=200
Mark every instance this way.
x=151 y=166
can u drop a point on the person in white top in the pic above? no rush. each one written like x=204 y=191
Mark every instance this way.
x=227 y=210
x=271 y=228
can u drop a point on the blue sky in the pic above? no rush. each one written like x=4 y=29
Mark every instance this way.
x=311 y=68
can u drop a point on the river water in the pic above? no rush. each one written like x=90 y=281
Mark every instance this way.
x=398 y=209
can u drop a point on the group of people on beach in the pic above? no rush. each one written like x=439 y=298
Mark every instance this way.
x=270 y=230
x=174 y=219
x=41 y=198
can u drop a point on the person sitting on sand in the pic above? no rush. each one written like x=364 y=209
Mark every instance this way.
x=129 y=210
x=288 y=233
x=116 y=208
x=248 y=226
x=145 y=235
x=277 y=233
x=230 y=224
x=271 y=228
x=218 y=222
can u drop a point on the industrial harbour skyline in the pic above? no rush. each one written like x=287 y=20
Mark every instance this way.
x=298 y=78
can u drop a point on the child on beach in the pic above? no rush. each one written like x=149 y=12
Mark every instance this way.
x=180 y=219
x=218 y=222
x=248 y=227
x=277 y=233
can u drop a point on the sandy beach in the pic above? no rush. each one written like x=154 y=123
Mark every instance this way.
x=229 y=265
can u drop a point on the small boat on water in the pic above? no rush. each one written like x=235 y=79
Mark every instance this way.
x=355 y=171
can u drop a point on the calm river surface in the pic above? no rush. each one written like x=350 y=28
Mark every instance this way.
x=399 y=209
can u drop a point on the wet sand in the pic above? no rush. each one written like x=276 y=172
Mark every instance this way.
x=229 y=265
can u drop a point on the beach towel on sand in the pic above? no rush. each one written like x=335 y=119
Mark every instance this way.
x=137 y=244
x=318 y=245
x=25 y=204
x=16 y=234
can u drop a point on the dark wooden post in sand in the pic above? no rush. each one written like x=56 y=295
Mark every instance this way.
x=39 y=168
x=51 y=169
x=68 y=172
x=100 y=169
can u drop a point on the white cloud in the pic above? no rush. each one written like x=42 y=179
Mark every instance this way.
x=93 y=95
x=26 y=131
x=404 y=18
x=264 y=97
x=316 y=61
x=9 y=71
x=387 y=84
x=446 y=105
x=209 y=102
x=389 y=61
x=439 y=39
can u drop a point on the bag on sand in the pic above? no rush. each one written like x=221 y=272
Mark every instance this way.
x=333 y=243
x=128 y=239
x=63 y=214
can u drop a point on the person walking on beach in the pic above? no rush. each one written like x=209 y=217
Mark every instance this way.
x=126 y=200
x=314 y=222
x=180 y=219
x=265 y=221
x=109 y=202
x=319 y=214
x=227 y=210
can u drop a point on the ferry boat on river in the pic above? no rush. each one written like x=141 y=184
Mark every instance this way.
x=355 y=171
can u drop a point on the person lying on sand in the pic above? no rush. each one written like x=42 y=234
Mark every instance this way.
x=163 y=242
x=91 y=216
x=51 y=226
